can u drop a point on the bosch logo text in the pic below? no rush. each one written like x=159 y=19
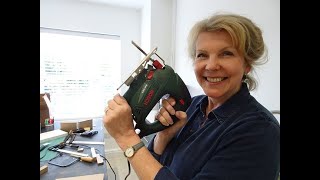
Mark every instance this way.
x=149 y=97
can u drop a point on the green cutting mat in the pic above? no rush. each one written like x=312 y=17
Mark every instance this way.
x=45 y=154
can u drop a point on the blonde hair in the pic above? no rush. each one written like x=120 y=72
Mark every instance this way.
x=246 y=37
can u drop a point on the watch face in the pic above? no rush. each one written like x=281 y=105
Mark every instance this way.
x=129 y=152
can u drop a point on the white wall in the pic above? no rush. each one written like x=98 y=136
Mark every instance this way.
x=166 y=23
x=97 y=18
x=265 y=13
x=157 y=28
x=145 y=27
x=161 y=28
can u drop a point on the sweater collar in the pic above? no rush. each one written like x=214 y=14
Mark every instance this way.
x=231 y=106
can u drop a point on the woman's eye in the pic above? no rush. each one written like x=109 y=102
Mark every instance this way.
x=227 y=53
x=201 y=55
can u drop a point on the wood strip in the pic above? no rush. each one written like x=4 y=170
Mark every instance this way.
x=99 y=160
x=93 y=153
x=43 y=169
x=50 y=135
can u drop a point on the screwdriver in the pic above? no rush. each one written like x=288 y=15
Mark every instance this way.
x=43 y=146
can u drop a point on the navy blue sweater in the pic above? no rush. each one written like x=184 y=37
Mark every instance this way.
x=240 y=140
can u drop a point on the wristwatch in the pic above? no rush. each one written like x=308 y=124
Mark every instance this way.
x=129 y=152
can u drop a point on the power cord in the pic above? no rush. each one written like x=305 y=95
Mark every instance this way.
x=74 y=160
x=84 y=146
x=129 y=170
x=115 y=177
x=44 y=154
x=103 y=157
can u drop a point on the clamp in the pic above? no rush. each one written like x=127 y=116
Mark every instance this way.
x=61 y=145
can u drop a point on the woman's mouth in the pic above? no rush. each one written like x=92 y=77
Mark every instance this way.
x=216 y=79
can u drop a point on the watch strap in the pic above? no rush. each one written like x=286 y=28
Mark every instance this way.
x=138 y=146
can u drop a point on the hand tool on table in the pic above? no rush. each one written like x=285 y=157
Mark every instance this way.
x=61 y=145
x=89 y=133
x=148 y=83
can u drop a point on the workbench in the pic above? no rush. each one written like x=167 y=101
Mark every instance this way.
x=80 y=168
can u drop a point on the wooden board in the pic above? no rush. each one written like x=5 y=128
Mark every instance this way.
x=50 y=135
x=67 y=126
x=43 y=169
x=44 y=110
x=99 y=160
x=85 y=124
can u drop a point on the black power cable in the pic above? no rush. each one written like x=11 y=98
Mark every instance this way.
x=115 y=177
x=84 y=146
x=129 y=170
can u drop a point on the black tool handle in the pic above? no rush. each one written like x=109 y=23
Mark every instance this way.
x=177 y=89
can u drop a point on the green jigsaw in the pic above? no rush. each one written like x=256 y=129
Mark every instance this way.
x=147 y=85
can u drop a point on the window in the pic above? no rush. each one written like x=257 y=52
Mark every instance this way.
x=80 y=70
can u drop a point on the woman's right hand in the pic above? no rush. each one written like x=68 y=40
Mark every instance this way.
x=163 y=137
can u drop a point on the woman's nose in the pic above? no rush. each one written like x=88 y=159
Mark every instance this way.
x=213 y=63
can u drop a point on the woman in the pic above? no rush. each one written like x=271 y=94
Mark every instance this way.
x=224 y=134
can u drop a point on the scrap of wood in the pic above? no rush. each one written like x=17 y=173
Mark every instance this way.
x=80 y=149
x=87 y=128
x=93 y=153
x=43 y=169
x=73 y=153
x=87 y=159
x=50 y=135
x=67 y=126
x=99 y=160
x=85 y=124
x=86 y=177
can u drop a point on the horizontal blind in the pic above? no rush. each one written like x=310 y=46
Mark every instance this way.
x=80 y=70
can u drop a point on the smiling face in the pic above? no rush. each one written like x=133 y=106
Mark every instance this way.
x=218 y=66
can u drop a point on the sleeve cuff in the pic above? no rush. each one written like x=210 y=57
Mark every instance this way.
x=150 y=148
x=165 y=173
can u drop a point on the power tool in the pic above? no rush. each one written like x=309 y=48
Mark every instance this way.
x=150 y=82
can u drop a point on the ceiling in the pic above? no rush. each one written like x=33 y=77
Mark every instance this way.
x=136 y=4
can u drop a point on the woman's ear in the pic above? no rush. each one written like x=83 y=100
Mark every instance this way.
x=247 y=70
